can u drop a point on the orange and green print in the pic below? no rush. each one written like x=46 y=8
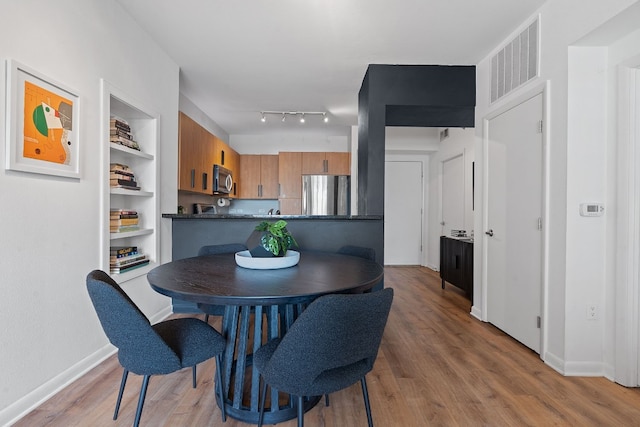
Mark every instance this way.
x=48 y=125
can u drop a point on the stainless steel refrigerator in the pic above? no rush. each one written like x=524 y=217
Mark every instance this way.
x=326 y=194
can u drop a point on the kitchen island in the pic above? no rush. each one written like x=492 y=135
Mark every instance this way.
x=313 y=233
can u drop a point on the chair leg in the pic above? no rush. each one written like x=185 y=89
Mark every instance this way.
x=143 y=393
x=367 y=406
x=263 y=397
x=206 y=318
x=194 y=380
x=123 y=382
x=219 y=380
x=326 y=400
x=300 y=411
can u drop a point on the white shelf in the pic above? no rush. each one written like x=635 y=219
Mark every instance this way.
x=132 y=193
x=127 y=234
x=144 y=164
x=131 y=151
x=136 y=272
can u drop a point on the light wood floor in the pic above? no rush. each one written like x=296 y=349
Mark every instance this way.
x=437 y=366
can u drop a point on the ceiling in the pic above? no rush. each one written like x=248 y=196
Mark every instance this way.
x=238 y=58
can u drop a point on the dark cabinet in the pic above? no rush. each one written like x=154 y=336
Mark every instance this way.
x=456 y=263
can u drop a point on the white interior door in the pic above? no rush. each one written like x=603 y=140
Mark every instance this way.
x=403 y=202
x=514 y=215
x=452 y=195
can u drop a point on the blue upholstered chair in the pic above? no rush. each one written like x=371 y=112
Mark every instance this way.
x=226 y=248
x=359 y=251
x=146 y=349
x=332 y=345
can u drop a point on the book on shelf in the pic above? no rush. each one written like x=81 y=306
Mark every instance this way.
x=114 y=131
x=123 y=221
x=129 y=267
x=114 y=258
x=122 y=250
x=121 y=175
x=128 y=260
x=119 y=124
x=120 y=211
x=120 y=216
x=123 y=228
x=121 y=168
x=116 y=182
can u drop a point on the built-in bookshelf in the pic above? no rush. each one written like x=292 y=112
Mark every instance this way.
x=136 y=157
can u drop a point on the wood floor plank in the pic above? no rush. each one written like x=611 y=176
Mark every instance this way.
x=437 y=366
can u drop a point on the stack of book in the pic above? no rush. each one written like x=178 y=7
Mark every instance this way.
x=125 y=258
x=121 y=176
x=120 y=133
x=123 y=220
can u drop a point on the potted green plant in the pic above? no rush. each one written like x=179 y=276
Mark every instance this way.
x=271 y=239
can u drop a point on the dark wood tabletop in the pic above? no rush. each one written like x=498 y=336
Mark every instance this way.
x=218 y=280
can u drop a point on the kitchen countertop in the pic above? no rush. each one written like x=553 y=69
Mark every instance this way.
x=272 y=217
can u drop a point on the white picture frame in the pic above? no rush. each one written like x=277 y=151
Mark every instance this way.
x=42 y=124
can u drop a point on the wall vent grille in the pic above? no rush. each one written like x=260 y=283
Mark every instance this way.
x=516 y=63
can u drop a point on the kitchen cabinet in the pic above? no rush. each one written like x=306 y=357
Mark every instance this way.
x=198 y=151
x=456 y=263
x=142 y=201
x=290 y=175
x=258 y=176
x=195 y=156
x=290 y=183
x=329 y=163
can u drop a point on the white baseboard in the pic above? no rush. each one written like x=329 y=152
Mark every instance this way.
x=29 y=402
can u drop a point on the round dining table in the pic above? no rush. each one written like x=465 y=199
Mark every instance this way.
x=259 y=305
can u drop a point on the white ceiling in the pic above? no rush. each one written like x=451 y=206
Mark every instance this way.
x=238 y=57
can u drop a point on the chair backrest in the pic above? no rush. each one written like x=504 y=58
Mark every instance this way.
x=359 y=251
x=140 y=349
x=228 y=248
x=333 y=343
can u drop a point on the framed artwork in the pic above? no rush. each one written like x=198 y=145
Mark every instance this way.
x=42 y=124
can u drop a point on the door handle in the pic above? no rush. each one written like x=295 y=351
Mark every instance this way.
x=489 y=233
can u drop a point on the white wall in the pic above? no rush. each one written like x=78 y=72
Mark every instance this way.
x=579 y=152
x=50 y=227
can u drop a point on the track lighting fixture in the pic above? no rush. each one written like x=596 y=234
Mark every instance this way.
x=302 y=114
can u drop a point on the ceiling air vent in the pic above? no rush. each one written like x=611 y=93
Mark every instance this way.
x=516 y=63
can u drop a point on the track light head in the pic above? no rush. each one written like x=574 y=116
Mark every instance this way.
x=303 y=115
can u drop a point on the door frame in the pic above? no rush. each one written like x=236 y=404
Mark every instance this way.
x=424 y=159
x=463 y=155
x=627 y=319
x=544 y=89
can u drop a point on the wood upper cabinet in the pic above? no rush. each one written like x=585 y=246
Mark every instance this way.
x=290 y=175
x=193 y=172
x=198 y=151
x=258 y=177
x=320 y=163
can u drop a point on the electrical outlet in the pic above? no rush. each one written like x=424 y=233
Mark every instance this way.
x=592 y=312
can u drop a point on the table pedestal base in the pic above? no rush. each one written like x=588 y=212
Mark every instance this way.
x=246 y=329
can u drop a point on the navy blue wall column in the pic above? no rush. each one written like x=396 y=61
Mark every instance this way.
x=406 y=95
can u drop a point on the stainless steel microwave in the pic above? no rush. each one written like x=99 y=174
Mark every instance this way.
x=222 y=180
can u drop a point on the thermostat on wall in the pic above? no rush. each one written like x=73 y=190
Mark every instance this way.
x=591 y=209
